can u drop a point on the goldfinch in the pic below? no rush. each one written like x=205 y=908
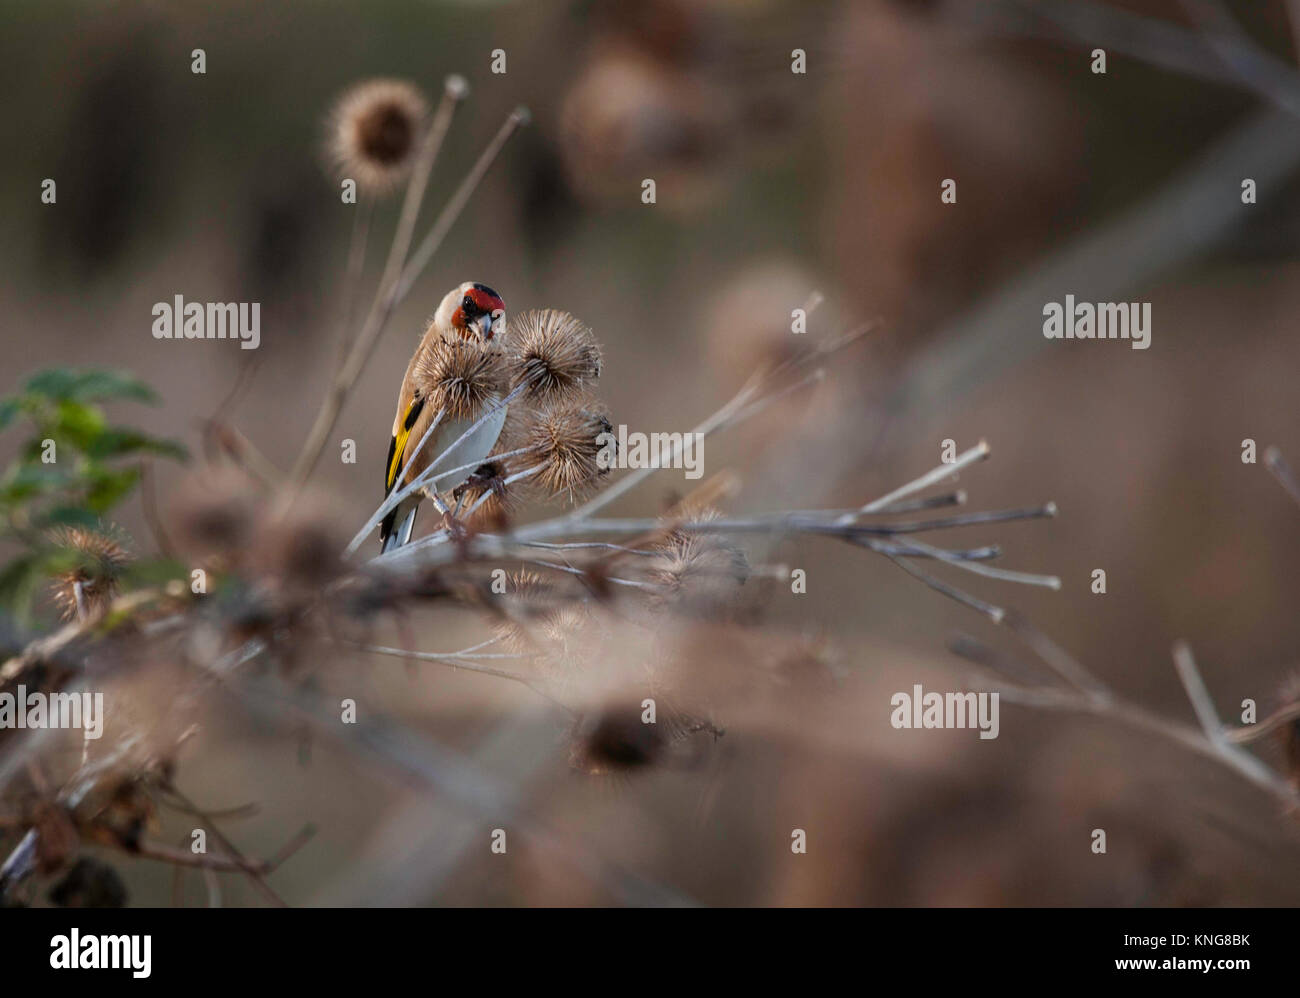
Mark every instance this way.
x=454 y=370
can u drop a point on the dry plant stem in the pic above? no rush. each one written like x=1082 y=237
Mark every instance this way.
x=1208 y=741
x=214 y=887
x=1270 y=724
x=248 y=810
x=1055 y=657
x=1242 y=763
x=1215 y=733
x=149 y=504
x=1293 y=21
x=442 y=225
x=1194 y=686
x=798 y=521
x=356 y=261
x=1212 y=740
x=245 y=454
x=461 y=665
x=802 y=521
x=253 y=870
x=994 y=613
x=932 y=477
x=1281 y=470
x=574 y=570
x=385 y=297
x=754 y=408
x=957 y=498
x=1260 y=71
x=971 y=565
x=1148 y=39
x=211 y=861
x=988 y=553
x=20 y=861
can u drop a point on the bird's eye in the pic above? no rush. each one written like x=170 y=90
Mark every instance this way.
x=467 y=303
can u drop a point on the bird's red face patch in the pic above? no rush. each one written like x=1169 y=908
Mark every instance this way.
x=479 y=300
x=487 y=301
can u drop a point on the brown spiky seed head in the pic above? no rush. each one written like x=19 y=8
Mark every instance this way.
x=568 y=440
x=697 y=568
x=529 y=600
x=377 y=127
x=552 y=352
x=87 y=590
x=461 y=377
x=298 y=550
x=615 y=739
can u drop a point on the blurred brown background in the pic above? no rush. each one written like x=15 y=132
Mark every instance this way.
x=770 y=185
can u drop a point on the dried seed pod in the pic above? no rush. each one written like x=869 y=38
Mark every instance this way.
x=615 y=739
x=298 y=551
x=86 y=591
x=553 y=353
x=377 y=127
x=697 y=570
x=571 y=444
x=461 y=377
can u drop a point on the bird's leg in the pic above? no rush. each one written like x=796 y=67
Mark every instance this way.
x=455 y=529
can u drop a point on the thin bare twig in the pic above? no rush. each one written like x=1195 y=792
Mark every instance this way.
x=1281 y=470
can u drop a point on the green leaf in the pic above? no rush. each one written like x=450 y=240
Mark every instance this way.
x=28 y=480
x=78 y=423
x=64 y=384
x=18 y=583
x=9 y=408
x=116 y=442
x=155 y=572
x=70 y=516
x=107 y=486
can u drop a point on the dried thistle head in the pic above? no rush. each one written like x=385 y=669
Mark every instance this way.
x=527 y=599
x=570 y=443
x=627 y=110
x=377 y=126
x=553 y=353
x=615 y=739
x=618 y=738
x=298 y=551
x=545 y=621
x=462 y=377
x=697 y=570
x=86 y=590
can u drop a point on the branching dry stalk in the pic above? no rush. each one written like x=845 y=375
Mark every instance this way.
x=1212 y=739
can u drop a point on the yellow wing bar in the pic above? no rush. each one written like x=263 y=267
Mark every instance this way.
x=397 y=449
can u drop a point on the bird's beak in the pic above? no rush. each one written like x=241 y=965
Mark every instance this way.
x=486 y=324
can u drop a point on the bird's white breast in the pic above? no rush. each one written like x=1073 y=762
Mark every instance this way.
x=473 y=450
